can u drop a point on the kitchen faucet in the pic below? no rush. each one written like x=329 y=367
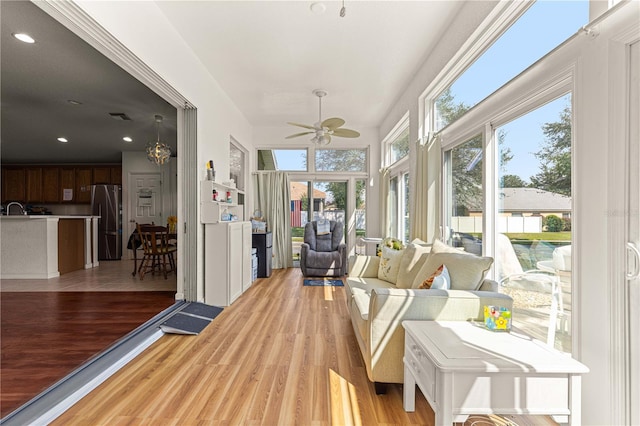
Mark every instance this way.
x=17 y=204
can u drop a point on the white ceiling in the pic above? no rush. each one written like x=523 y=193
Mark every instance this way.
x=267 y=55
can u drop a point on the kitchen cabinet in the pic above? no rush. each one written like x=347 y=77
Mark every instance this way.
x=51 y=185
x=116 y=175
x=101 y=175
x=13 y=184
x=46 y=183
x=67 y=182
x=33 y=185
x=84 y=179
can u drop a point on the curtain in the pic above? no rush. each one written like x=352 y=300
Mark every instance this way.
x=273 y=198
x=425 y=210
x=384 y=203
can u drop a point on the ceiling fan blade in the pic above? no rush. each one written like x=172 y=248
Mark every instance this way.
x=298 y=134
x=333 y=123
x=306 y=126
x=346 y=133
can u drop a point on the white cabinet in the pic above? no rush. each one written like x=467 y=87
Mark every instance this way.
x=227 y=206
x=227 y=261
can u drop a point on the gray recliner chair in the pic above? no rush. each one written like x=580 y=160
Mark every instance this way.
x=323 y=255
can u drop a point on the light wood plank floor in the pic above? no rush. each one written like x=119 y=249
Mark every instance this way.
x=281 y=354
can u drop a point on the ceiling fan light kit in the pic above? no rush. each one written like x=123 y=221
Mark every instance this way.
x=324 y=130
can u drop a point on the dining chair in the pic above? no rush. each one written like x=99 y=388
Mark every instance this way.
x=158 y=253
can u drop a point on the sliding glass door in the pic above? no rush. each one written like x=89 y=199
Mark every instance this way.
x=313 y=200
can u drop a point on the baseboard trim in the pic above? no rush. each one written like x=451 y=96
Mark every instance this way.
x=55 y=400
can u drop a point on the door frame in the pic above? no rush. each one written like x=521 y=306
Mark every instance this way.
x=84 y=26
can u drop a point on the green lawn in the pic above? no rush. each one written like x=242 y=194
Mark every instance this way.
x=544 y=236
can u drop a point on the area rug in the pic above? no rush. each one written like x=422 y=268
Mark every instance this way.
x=323 y=282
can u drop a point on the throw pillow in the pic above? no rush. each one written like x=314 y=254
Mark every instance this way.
x=466 y=270
x=389 y=264
x=440 y=247
x=439 y=279
x=412 y=260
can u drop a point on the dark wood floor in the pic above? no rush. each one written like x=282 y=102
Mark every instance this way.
x=46 y=335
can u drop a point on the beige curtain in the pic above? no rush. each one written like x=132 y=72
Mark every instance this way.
x=425 y=210
x=384 y=203
x=273 y=198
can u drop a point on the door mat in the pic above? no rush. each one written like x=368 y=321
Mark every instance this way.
x=322 y=282
x=191 y=320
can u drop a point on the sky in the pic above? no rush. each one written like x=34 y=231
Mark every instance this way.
x=545 y=25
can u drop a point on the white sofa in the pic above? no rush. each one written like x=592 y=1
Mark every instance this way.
x=378 y=306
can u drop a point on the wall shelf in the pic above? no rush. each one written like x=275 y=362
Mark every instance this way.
x=217 y=211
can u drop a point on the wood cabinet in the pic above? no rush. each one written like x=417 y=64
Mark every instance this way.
x=51 y=185
x=101 y=175
x=13 y=184
x=33 y=178
x=67 y=182
x=228 y=262
x=84 y=180
x=46 y=183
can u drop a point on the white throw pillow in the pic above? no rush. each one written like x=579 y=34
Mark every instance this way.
x=466 y=270
x=440 y=279
x=389 y=264
x=412 y=260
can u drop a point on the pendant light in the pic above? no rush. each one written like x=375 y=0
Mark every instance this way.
x=158 y=152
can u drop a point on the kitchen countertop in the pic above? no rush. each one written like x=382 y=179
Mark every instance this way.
x=46 y=216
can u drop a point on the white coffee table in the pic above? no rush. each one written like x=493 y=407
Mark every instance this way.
x=463 y=369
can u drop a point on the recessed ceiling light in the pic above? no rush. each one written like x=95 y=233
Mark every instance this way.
x=63 y=140
x=318 y=8
x=127 y=139
x=74 y=102
x=24 y=37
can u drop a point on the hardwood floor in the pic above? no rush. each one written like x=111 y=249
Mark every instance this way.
x=50 y=327
x=281 y=354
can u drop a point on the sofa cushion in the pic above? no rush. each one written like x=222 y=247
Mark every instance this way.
x=440 y=247
x=439 y=279
x=389 y=264
x=412 y=260
x=466 y=270
x=323 y=242
x=361 y=284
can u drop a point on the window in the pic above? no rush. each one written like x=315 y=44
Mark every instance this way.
x=237 y=165
x=517 y=48
x=282 y=159
x=465 y=199
x=533 y=229
x=399 y=148
x=341 y=160
x=396 y=144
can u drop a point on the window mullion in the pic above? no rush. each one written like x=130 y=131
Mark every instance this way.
x=489 y=186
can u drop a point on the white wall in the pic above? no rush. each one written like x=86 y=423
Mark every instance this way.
x=144 y=30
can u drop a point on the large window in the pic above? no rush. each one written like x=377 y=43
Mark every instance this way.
x=396 y=144
x=465 y=201
x=341 y=160
x=282 y=159
x=533 y=229
x=539 y=30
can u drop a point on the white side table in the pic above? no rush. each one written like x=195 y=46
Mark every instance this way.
x=463 y=369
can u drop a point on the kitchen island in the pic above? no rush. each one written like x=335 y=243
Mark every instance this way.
x=46 y=246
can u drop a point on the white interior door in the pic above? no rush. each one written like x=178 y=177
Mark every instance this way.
x=633 y=242
x=145 y=201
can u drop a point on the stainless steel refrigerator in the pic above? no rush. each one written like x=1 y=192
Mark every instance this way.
x=106 y=202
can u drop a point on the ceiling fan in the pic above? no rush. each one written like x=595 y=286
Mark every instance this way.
x=323 y=130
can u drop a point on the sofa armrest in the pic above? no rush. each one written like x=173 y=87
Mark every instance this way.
x=364 y=266
x=489 y=285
